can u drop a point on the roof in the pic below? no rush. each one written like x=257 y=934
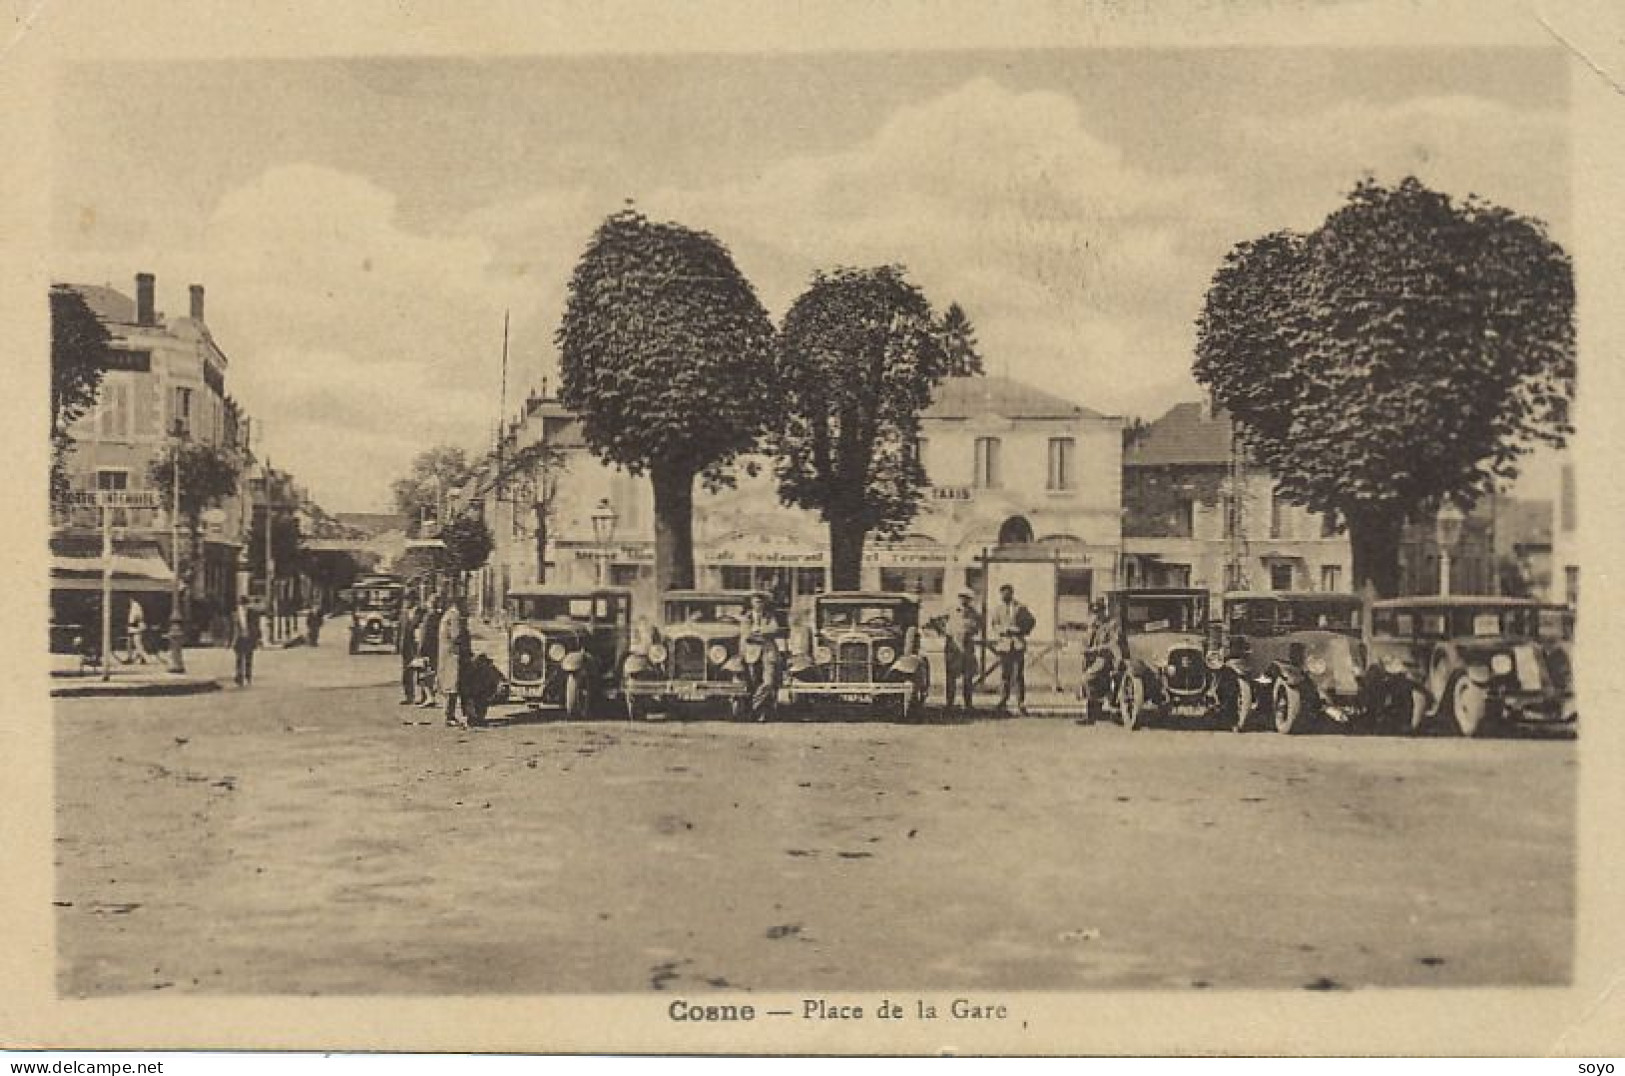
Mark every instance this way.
x=1293 y=595
x=865 y=596
x=1187 y=435
x=556 y=590
x=692 y=595
x=1454 y=601
x=106 y=303
x=371 y=524
x=968 y=397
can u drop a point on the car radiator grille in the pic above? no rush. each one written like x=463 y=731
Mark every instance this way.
x=688 y=659
x=852 y=663
x=1188 y=673
x=527 y=662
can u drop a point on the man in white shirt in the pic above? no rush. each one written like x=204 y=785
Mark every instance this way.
x=1009 y=627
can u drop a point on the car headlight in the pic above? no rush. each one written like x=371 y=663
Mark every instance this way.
x=557 y=651
x=823 y=655
x=1316 y=665
x=718 y=653
x=1501 y=665
x=885 y=655
x=657 y=653
x=1215 y=659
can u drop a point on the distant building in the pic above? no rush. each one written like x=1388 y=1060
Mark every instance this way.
x=1011 y=467
x=165 y=374
x=1197 y=512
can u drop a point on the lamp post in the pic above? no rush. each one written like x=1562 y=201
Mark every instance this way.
x=1447 y=530
x=603 y=532
x=177 y=621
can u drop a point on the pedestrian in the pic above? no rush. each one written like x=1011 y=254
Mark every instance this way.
x=313 y=625
x=1011 y=623
x=961 y=628
x=411 y=617
x=137 y=624
x=245 y=639
x=449 y=658
x=1102 y=657
x=428 y=647
x=759 y=631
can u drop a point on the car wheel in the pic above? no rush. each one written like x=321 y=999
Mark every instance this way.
x=1243 y=704
x=922 y=686
x=1468 y=705
x=1131 y=702
x=1289 y=708
x=637 y=708
x=575 y=696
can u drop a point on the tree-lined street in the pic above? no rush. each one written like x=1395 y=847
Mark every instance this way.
x=308 y=835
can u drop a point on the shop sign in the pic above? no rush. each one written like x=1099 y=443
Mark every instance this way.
x=950 y=493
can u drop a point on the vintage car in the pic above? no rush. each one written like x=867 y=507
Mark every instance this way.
x=1299 y=657
x=863 y=647
x=375 y=612
x=693 y=655
x=1166 y=673
x=1467 y=664
x=566 y=646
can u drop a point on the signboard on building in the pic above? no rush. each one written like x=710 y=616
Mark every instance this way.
x=950 y=493
x=116 y=498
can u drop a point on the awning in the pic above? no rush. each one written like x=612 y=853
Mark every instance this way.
x=135 y=570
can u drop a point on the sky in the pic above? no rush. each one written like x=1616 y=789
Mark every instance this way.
x=363 y=225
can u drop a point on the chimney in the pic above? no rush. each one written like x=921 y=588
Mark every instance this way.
x=144 y=313
x=197 y=302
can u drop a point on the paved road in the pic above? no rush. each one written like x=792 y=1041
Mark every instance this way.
x=309 y=836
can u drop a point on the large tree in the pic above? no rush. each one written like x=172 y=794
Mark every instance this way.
x=79 y=354
x=1409 y=350
x=860 y=354
x=667 y=355
x=208 y=476
x=436 y=472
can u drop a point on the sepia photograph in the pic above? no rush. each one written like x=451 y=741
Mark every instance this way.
x=801 y=542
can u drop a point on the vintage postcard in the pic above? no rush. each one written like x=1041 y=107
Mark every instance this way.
x=823 y=528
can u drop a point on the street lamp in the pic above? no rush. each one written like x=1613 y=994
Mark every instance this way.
x=603 y=532
x=177 y=622
x=1447 y=530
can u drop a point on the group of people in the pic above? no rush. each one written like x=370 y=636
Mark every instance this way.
x=1009 y=624
x=435 y=648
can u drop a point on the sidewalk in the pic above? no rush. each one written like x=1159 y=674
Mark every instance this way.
x=205 y=666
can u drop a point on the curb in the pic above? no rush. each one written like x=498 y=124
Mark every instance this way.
x=99 y=689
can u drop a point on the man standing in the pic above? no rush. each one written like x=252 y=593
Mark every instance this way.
x=411 y=617
x=759 y=649
x=1012 y=622
x=245 y=639
x=962 y=626
x=137 y=625
x=313 y=624
x=449 y=659
x=428 y=650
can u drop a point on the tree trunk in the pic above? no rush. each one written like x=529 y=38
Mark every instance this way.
x=541 y=544
x=845 y=554
x=1374 y=543
x=674 y=528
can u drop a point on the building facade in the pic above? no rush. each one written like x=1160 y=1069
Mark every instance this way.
x=166 y=376
x=1198 y=513
x=1013 y=472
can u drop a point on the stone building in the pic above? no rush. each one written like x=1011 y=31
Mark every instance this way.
x=1197 y=512
x=1013 y=471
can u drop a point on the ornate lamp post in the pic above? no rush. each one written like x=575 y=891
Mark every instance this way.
x=1447 y=530
x=603 y=532
x=177 y=620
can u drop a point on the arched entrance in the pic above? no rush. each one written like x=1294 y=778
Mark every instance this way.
x=1016 y=531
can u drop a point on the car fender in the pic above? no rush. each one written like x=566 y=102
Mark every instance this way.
x=637 y=664
x=1479 y=675
x=735 y=665
x=907 y=665
x=574 y=662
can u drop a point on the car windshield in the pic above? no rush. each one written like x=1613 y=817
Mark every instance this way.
x=1251 y=616
x=553 y=607
x=1555 y=624
x=704 y=612
x=377 y=597
x=1446 y=622
x=1330 y=615
x=1148 y=615
x=854 y=614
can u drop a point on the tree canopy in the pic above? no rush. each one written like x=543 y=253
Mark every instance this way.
x=1410 y=349
x=468 y=542
x=79 y=354
x=208 y=476
x=860 y=354
x=666 y=354
x=435 y=473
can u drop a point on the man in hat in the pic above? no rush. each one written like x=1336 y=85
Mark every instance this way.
x=961 y=628
x=759 y=631
x=245 y=639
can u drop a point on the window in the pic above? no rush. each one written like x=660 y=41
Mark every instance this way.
x=1184 y=521
x=623 y=575
x=736 y=577
x=110 y=479
x=809 y=581
x=987 y=463
x=913 y=580
x=1075 y=583
x=1277 y=515
x=1227 y=515
x=181 y=411
x=1280 y=577
x=1331 y=577
x=1061 y=473
x=113 y=409
x=1328 y=525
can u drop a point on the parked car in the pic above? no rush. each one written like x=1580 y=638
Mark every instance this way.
x=693 y=655
x=1166 y=671
x=375 y=612
x=862 y=647
x=566 y=646
x=1299 y=656
x=1467 y=664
